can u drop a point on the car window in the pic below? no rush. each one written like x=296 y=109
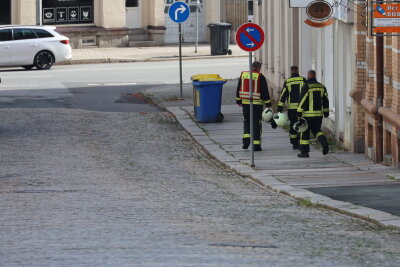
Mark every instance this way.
x=23 y=34
x=42 y=33
x=5 y=35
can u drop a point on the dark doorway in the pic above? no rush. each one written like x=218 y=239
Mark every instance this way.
x=5 y=12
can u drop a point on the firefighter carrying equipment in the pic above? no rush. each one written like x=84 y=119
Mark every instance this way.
x=260 y=89
x=301 y=125
x=280 y=119
x=314 y=100
x=291 y=92
x=267 y=115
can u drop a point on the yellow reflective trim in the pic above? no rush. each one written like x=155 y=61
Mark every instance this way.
x=300 y=110
x=246 y=75
x=302 y=101
x=319 y=134
x=325 y=110
x=304 y=142
x=310 y=115
x=255 y=102
x=315 y=85
x=295 y=79
x=238 y=98
x=246 y=135
x=292 y=106
x=281 y=104
x=256 y=142
x=293 y=136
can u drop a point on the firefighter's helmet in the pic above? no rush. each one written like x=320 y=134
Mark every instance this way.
x=280 y=119
x=267 y=115
x=300 y=126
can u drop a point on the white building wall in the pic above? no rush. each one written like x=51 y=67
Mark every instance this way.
x=329 y=51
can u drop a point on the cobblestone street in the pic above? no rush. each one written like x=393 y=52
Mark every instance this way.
x=132 y=189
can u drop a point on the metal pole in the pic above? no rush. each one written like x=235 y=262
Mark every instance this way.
x=39 y=12
x=180 y=60
x=379 y=95
x=251 y=109
x=197 y=25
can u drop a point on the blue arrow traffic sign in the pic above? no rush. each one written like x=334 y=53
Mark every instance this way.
x=179 y=12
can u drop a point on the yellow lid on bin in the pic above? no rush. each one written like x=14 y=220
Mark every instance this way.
x=207 y=78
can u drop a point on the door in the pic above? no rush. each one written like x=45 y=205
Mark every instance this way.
x=5 y=47
x=188 y=27
x=134 y=14
x=5 y=12
x=24 y=47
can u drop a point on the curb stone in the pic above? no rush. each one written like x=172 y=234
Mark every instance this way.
x=266 y=180
x=128 y=60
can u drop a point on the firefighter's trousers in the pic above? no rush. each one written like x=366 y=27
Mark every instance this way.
x=258 y=109
x=314 y=126
x=293 y=117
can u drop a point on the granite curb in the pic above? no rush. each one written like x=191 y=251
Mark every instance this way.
x=131 y=60
x=266 y=180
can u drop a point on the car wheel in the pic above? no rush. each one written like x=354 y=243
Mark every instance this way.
x=28 y=67
x=44 y=60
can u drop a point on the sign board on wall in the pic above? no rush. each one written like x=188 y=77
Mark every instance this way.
x=386 y=18
x=67 y=11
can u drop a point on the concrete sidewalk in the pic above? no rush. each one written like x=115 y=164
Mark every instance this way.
x=279 y=169
x=144 y=54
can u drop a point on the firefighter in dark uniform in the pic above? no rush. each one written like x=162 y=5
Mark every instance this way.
x=260 y=98
x=313 y=106
x=291 y=95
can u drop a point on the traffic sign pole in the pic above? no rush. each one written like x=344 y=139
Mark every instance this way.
x=251 y=109
x=180 y=61
x=179 y=12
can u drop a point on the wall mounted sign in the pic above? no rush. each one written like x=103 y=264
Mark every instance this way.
x=67 y=11
x=319 y=13
x=385 y=18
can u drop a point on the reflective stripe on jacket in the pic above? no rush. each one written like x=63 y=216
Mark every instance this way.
x=244 y=92
x=291 y=92
x=314 y=100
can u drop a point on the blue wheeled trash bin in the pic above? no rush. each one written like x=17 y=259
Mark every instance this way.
x=207 y=97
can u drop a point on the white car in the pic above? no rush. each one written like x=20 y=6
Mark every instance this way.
x=32 y=46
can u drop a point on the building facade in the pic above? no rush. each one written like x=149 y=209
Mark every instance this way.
x=376 y=93
x=364 y=113
x=106 y=23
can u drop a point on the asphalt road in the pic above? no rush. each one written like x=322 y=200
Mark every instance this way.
x=88 y=178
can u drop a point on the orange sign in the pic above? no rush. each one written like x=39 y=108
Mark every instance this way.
x=386 y=17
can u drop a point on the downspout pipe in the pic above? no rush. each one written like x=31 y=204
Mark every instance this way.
x=379 y=96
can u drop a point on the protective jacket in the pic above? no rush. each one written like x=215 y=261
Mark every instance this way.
x=314 y=100
x=260 y=89
x=291 y=92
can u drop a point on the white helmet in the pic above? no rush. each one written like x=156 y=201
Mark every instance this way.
x=280 y=119
x=300 y=126
x=267 y=115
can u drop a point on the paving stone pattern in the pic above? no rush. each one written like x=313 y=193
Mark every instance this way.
x=84 y=188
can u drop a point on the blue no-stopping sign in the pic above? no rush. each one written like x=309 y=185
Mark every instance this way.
x=179 y=12
x=250 y=37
